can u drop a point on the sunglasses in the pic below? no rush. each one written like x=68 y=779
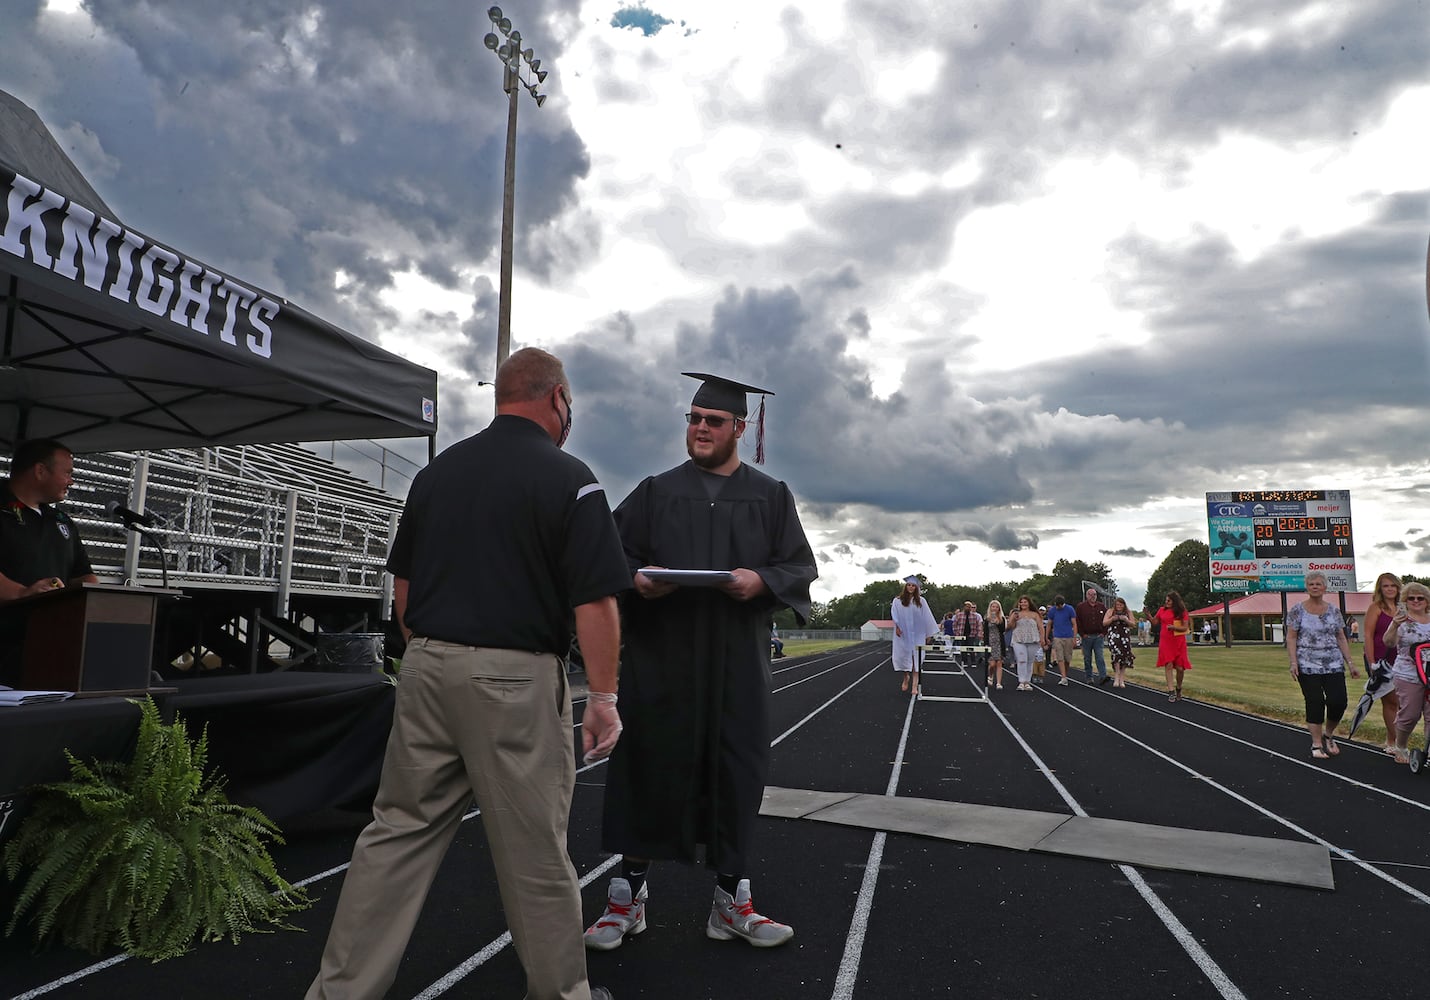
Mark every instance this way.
x=1414 y=597
x=714 y=423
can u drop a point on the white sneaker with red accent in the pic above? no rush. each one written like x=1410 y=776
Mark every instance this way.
x=623 y=916
x=735 y=917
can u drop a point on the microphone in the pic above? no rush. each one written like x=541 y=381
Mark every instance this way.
x=131 y=518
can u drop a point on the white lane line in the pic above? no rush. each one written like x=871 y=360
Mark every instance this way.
x=792 y=729
x=73 y=977
x=1199 y=955
x=491 y=949
x=495 y=947
x=1275 y=817
x=1299 y=762
x=848 y=974
x=805 y=680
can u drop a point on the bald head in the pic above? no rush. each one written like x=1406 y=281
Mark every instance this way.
x=528 y=376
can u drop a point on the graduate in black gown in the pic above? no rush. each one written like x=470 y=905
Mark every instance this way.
x=688 y=775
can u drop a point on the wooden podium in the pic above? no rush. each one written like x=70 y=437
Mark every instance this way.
x=92 y=639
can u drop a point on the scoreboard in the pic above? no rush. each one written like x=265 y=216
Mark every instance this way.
x=1270 y=539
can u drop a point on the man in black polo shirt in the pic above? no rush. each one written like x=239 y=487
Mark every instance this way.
x=40 y=546
x=503 y=536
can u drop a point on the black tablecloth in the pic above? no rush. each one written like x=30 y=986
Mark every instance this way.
x=288 y=743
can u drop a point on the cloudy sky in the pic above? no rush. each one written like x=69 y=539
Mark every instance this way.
x=1027 y=278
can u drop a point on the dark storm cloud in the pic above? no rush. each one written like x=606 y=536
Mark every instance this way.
x=1022 y=567
x=297 y=126
x=1246 y=356
x=1128 y=553
x=882 y=566
x=1393 y=546
x=870 y=463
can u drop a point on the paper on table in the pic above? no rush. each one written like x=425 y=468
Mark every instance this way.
x=690 y=577
x=9 y=696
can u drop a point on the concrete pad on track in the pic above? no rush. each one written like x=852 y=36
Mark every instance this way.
x=1204 y=852
x=1020 y=829
x=1261 y=859
x=797 y=803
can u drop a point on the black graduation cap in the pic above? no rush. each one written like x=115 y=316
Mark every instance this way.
x=718 y=393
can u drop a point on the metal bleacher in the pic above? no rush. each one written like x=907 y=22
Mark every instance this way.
x=272 y=544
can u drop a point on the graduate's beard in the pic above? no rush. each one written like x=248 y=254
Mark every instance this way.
x=717 y=457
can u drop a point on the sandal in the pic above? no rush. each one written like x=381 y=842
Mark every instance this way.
x=1330 y=746
x=1401 y=756
x=1319 y=754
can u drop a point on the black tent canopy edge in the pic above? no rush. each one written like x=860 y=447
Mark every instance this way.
x=111 y=340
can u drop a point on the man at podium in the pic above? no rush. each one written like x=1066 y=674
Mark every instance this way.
x=40 y=546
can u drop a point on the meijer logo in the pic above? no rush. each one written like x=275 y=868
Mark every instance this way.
x=1328 y=508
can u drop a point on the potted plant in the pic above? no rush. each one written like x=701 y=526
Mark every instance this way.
x=148 y=855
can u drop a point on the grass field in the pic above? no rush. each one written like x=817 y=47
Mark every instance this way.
x=1255 y=678
x=1252 y=678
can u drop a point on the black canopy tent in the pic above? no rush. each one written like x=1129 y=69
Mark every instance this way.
x=110 y=340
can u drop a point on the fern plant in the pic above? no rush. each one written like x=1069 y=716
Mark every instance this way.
x=147 y=856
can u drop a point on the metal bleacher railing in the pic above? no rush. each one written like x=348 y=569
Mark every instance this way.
x=275 y=518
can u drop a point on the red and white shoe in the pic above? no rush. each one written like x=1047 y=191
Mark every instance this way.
x=735 y=917
x=623 y=916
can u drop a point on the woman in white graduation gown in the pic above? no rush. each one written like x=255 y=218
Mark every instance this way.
x=913 y=624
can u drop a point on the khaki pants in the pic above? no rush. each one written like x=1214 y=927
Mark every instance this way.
x=496 y=723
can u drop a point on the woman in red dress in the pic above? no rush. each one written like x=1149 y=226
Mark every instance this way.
x=1172 y=648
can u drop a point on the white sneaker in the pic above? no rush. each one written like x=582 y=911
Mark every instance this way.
x=623 y=916
x=1063 y=683
x=735 y=917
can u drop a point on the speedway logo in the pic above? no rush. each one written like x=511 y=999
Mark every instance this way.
x=1344 y=566
x=1239 y=568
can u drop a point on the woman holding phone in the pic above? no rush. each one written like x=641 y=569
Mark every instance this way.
x=1121 y=623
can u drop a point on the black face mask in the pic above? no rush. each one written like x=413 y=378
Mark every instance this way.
x=566 y=424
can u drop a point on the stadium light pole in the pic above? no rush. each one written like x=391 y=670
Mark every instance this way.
x=508 y=49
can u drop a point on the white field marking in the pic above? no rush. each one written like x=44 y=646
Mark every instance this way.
x=1211 y=782
x=73 y=977
x=491 y=949
x=1355 y=783
x=494 y=947
x=803 y=680
x=497 y=944
x=320 y=876
x=111 y=962
x=1214 y=973
x=791 y=730
x=848 y=974
x=1274 y=723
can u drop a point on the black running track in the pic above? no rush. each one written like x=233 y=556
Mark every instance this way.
x=901 y=916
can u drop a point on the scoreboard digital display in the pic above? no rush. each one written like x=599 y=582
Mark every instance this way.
x=1270 y=539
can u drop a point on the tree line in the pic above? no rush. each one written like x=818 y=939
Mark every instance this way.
x=1184 y=570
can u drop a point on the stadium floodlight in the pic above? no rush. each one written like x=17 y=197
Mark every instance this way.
x=512 y=55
